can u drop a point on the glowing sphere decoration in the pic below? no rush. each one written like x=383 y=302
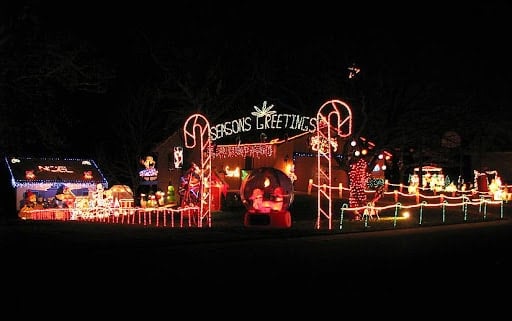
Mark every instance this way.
x=267 y=194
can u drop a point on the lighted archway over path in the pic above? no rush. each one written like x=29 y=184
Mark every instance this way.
x=197 y=130
x=334 y=119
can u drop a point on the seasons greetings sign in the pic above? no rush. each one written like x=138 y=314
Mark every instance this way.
x=263 y=118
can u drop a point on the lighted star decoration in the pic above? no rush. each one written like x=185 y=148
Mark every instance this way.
x=353 y=71
x=264 y=111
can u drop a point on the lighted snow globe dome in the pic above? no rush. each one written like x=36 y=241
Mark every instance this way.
x=267 y=194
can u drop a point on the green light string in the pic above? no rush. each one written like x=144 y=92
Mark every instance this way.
x=465 y=201
x=397 y=207
x=444 y=210
x=343 y=207
x=421 y=211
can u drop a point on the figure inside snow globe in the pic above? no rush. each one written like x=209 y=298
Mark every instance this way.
x=267 y=194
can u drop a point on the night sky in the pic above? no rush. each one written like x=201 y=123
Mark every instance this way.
x=463 y=43
x=462 y=48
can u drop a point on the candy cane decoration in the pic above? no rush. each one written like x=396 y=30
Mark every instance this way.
x=198 y=124
x=334 y=119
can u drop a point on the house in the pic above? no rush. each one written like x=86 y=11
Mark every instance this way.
x=45 y=176
x=499 y=161
x=284 y=140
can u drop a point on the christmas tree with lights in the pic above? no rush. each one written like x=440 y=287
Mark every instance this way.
x=358 y=176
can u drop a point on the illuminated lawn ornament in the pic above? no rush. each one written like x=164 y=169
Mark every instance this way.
x=319 y=144
x=178 y=157
x=150 y=173
x=197 y=134
x=334 y=120
x=267 y=194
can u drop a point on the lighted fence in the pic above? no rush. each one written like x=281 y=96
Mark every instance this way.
x=469 y=210
x=422 y=206
x=397 y=209
x=504 y=194
x=158 y=216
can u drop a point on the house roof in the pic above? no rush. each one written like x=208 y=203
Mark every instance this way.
x=53 y=170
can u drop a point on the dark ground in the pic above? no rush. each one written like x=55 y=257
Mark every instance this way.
x=426 y=265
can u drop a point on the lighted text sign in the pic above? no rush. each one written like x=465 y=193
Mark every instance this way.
x=263 y=118
x=55 y=169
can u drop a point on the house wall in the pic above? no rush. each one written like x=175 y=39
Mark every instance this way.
x=499 y=161
x=167 y=173
x=305 y=166
x=48 y=190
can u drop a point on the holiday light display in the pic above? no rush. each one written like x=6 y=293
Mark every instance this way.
x=353 y=70
x=178 y=156
x=245 y=150
x=334 y=119
x=43 y=176
x=263 y=118
x=88 y=175
x=358 y=178
x=232 y=172
x=198 y=124
x=320 y=144
x=149 y=173
x=266 y=201
x=267 y=193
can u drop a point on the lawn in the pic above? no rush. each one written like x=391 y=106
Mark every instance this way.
x=229 y=223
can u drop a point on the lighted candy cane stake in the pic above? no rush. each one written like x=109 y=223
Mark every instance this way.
x=198 y=124
x=332 y=122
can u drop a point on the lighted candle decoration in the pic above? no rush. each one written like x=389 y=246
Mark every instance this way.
x=310 y=185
